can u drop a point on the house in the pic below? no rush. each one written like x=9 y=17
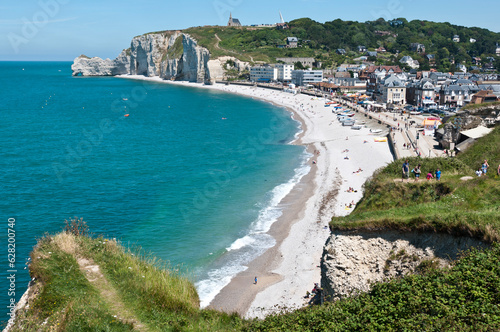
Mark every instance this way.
x=453 y=95
x=472 y=40
x=393 y=92
x=292 y=42
x=417 y=47
x=305 y=77
x=282 y=26
x=461 y=67
x=497 y=51
x=489 y=65
x=456 y=38
x=484 y=96
x=438 y=78
x=381 y=50
x=396 y=23
x=349 y=84
x=421 y=93
x=362 y=49
x=374 y=74
x=371 y=54
x=361 y=58
x=408 y=60
x=476 y=60
x=464 y=81
x=233 y=22
x=431 y=58
x=494 y=88
x=340 y=51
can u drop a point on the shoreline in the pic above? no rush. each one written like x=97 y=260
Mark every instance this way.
x=290 y=268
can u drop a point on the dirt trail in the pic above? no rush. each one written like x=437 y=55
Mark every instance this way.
x=93 y=274
x=223 y=49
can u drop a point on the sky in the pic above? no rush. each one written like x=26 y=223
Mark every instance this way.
x=61 y=30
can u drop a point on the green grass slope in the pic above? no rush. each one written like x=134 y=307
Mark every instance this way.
x=93 y=284
x=451 y=205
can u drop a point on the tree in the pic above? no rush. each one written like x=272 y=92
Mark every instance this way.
x=299 y=66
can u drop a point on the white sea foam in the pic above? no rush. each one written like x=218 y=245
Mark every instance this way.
x=217 y=279
x=240 y=243
x=253 y=244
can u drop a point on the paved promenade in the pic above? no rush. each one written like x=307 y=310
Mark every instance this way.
x=405 y=133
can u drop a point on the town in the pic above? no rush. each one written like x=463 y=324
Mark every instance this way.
x=404 y=95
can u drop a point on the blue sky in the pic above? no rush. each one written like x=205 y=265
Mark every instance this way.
x=64 y=29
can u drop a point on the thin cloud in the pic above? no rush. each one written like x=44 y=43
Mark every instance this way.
x=20 y=22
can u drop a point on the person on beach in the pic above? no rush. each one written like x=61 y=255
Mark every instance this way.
x=438 y=174
x=406 y=170
x=484 y=166
x=255 y=281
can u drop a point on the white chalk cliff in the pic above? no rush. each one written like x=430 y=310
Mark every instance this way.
x=171 y=55
x=353 y=260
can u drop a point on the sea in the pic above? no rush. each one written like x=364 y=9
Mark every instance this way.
x=191 y=176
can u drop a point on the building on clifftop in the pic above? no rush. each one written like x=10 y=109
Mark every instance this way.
x=233 y=22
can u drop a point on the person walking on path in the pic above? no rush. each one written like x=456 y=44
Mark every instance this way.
x=498 y=170
x=417 y=172
x=429 y=176
x=406 y=170
x=438 y=174
x=255 y=281
x=484 y=166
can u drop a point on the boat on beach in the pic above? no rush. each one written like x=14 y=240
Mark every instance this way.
x=357 y=127
x=375 y=131
x=349 y=122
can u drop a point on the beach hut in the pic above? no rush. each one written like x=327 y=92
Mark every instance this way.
x=430 y=125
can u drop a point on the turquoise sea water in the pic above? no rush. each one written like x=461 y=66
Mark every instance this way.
x=191 y=175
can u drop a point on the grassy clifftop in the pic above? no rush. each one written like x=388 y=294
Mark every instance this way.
x=451 y=205
x=94 y=284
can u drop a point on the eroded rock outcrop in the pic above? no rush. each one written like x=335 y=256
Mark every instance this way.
x=171 y=55
x=352 y=261
x=85 y=66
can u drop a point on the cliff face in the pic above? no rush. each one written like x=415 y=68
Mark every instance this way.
x=353 y=260
x=96 y=66
x=171 y=55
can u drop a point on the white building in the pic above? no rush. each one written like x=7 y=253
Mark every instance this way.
x=408 y=60
x=284 y=72
x=263 y=74
x=394 y=92
x=497 y=51
x=304 y=77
